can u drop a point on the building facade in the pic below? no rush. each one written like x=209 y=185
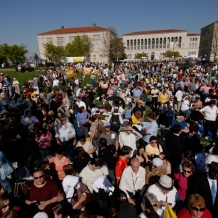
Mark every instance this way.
x=63 y=36
x=209 y=42
x=156 y=42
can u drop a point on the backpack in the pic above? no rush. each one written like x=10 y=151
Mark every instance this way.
x=115 y=121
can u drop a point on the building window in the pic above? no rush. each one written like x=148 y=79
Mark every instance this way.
x=164 y=43
x=149 y=43
x=146 y=43
x=96 y=42
x=160 y=43
x=180 y=42
x=134 y=44
x=94 y=57
x=127 y=45
x=195 y=45
x=153 y=43
x=172 y=39
x=100 y=56
x=131 y=45
x=190 y=45
x=142 y=43
x=138 y=44
x=157 y=43
x=168 y=42
x=49 y=40
x=194 y=52
x=71 y=38
x=60 y=41
x=190 y=39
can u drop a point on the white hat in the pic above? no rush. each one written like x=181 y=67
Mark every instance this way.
x=41 y=215
x=157 y=162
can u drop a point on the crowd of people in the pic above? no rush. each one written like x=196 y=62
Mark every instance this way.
x=126 y=142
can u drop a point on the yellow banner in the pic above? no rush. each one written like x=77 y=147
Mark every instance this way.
x=169 y=213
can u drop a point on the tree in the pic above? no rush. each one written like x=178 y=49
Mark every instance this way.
x=54 y=53
x=170 y=54
x=35 y=56
x=113 y=47
x=81 y=46
x=214 y=46
x=15 y=53
x=140 y=55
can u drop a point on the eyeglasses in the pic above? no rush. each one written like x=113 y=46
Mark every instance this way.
x=40 y=177
x=153 y=142
x=7 y=205
x=187 y=171
x=197 y=209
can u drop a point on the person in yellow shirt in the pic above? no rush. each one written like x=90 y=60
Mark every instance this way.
x=163 y=97
x=153 y=148
x=136 y=118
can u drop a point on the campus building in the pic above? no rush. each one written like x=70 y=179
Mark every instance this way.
x=156 y=42
x=63 y=36
x=209 y=41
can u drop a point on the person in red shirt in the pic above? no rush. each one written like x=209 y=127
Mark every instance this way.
x=196 y=208
x=122 y=162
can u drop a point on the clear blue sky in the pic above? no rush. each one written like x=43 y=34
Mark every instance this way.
x=22 y=20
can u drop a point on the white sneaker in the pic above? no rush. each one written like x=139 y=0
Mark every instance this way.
x=206 y=137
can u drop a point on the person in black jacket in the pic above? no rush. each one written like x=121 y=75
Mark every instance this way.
x=106 y=153
x=54 y=105
x=175 y=146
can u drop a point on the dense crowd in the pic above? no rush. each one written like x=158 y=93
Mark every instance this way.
x=130 y=140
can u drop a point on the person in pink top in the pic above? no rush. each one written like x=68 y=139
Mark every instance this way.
x=43 y=139
x=182 y=178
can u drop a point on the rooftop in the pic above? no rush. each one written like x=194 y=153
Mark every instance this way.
x=154 y=32
x=193 y=34
x=63 y=30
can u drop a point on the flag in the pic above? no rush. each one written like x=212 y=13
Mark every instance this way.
x=169 y=213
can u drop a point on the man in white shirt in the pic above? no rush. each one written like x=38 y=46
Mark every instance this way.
x=128 y=138
x=132 y=180
x=90 y=173
x=66 y=137
x=210 y=112
x=178 y=96
x=55 y=84
x=165 y=191
x=80 y=103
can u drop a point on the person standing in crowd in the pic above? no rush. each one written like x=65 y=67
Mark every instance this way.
x=140 y=108
x=150 y=128
x=210 y=113
x=83 y=121
x=137 y=93
x=179 y=96
x=66 y=137
x=154 y=99
x=133 y=186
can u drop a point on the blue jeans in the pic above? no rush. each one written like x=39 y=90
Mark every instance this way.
x=185 y=113
x=93 y=82
x=45 y=152
x=95 y=144
x=68 y=149
x=6 y=185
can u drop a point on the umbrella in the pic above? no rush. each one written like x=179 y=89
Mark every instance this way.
x=115 y=98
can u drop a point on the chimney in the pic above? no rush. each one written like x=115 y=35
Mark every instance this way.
x=62 y=27
x=93 y=24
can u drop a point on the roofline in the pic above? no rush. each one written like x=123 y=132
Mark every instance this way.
x=143 y=32
x=210 y=24
x=193 y=34
x=46 y=33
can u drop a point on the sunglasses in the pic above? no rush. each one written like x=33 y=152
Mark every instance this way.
x=7 y=205
x=40 y=177
x=187 y=171
x=198 y=209
x=153 y=142
x=107 y=127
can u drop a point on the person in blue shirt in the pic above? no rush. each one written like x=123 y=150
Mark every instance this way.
x=127 y=112
x=180 y=120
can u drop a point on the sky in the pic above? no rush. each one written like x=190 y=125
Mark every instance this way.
x=22 y=20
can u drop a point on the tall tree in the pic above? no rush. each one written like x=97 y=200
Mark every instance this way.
x=35 y=56
x=53 y=52
x=81 y=46
x=113 y=47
